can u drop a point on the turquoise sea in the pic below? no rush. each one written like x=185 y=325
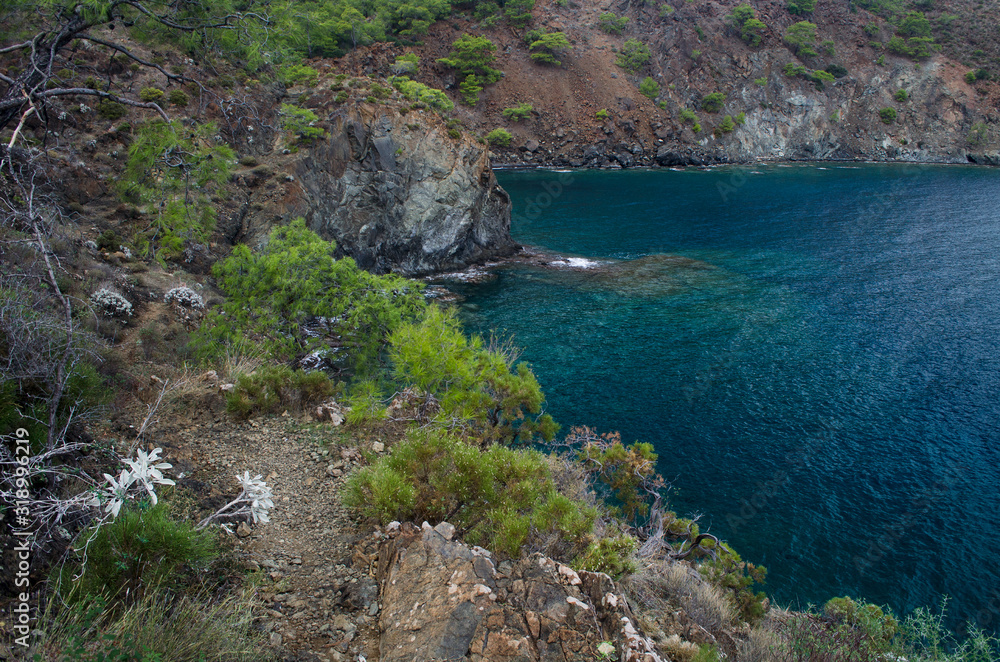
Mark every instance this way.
x=814 y=351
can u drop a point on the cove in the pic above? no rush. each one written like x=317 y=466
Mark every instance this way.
x=812 y=350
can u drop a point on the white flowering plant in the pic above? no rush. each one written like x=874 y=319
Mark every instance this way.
x=111 y=303
x=143 y=472
x=184 y=296
x=255 y=500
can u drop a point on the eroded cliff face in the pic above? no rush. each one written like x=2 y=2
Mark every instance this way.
x=398 y=194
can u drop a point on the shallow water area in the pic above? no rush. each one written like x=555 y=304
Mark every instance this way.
x=811 y=349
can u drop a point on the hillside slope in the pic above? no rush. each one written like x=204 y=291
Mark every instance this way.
x=696 y=51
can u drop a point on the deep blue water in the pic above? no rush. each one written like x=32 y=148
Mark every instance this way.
x=813 y=351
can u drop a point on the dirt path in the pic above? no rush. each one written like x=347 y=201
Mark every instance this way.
x=314 y=558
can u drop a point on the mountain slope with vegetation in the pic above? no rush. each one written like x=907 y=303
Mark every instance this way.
x=199 y=203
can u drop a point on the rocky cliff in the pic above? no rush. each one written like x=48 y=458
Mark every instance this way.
x=695 y=51
x=398 y=194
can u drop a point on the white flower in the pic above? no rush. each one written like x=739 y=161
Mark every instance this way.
x=184 y=296
x=116 y=491
x=146 y=472
x=258 y=494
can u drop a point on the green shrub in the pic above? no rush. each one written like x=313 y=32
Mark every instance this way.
x=820 y=78
x=687 y=115
x=546 y=47
x=518 y=112
x=901 y=96
x=914 y=47
x=178 y=98
x=151 y=94
x=141 y=548
x=649 y=88
x=888 y=115
x=633 y=56
x=499 y=137
x=752 y=31
x=295 y=280
x=978 y=134
x=610 y=555
x=518 y=12
x=111 y=110
x=666 y=9
x=762 y=81
x=299 y=122
x=407 y=65
x=879 y=627
x=380 y=91
x=713 y=102
x=274 y=389
x=454 y=134
x=602 y=115
x=341 y=97
x=801 y=6
x=727 y=125
x=837 y=70
x=612 y=23
x=473 y=56
x=470 y=89
x=740 y=119
x=430 y=96
x=791 y=70
x=500 y=497
x=829 y=48
x=741 y=13
x=300 y=74
x=476 y=386
x=731 y=573
x=108 y=241
x=801 y=37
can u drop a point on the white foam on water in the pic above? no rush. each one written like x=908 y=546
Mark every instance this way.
x=575 y=263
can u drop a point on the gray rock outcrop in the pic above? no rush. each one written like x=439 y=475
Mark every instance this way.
x=444 y=600
x=398 y=194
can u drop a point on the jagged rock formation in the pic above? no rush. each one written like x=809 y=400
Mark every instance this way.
x=442 y=600
x=398 y=194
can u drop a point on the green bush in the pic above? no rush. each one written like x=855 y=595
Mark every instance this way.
x=978 y=134
x=731 y=573
x=740 y=119
x=274 y=389
x=791 y=70
x=518 y=12
x=752 y=31
x=762 y=81
x=415 y=91
x=801 y=6
x=612 y=23
x=518 y=112
x=602 y=115
x=888 y=115
x=407 y=65
x=473 y=56
x=300 y=74
x=727 y=125
x=178 y=98
x=712 y=103
x=476 y=386
x=837 y=70
x=151 y=94
x=499 y=138
x=633 y=56
x=801 y=37
x=649 y=88
x=295 y=280
x=914 y=47
x=610 y=555
x=500 y=497
x=687 y=115
x=820 y=78
x=111 y=110
x=547 y=47
x=141 y=548
x=299 y=122
x=741 y=13
x=901 y=96
x=879 y=627
x=970 y=77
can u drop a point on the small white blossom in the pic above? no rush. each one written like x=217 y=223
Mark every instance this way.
x=258 y=494
x=115 y=492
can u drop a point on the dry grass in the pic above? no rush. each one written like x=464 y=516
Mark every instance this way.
x=662 y=585
x=763 y=645
x=178 y=629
